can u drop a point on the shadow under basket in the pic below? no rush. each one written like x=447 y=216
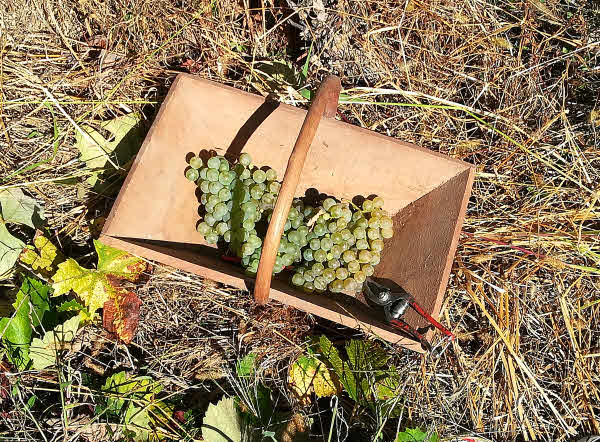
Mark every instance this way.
x=426 y=193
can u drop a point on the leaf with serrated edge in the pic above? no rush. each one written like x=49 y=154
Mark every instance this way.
x=96 y=150
x=245 y=367
x=10 y=249
x=43 y=351
x=119 y=263
x=42 y=255
x=222 y=422
x=19 y=208
x=308 y=375
x=416 y=435
x=121 y=314
x=90 y=285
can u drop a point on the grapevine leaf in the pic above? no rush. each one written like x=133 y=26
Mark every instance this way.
x=416 y=435
x=90 y=285
x=10 y=248
x=137 y=420
x=43 y=255
x=30 y=305
x=43 y=351
x=119 y=264
x=70 y=306
x=120 y=388
x=341 y=368
x=96 y=150
x=19 y=208
x=245 y=367
x=308 y=375
x=222 y=422
x=121 y=314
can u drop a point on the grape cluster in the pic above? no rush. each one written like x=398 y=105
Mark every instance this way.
x=333 y=246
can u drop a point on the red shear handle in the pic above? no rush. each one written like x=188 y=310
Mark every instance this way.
x=436 y=324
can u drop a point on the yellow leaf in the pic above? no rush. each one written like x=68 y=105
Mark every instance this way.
x=44 y=260
x=308 y=375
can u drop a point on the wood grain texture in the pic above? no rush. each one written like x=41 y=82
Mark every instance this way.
x=324 y=105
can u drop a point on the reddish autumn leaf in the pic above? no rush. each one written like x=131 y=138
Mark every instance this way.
x=121 y=312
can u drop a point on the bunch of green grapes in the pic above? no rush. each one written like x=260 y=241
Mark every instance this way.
x=333 y=246
x=343 y=246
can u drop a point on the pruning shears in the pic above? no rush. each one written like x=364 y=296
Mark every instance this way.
x=395 y=304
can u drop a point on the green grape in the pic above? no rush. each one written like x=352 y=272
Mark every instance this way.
x=214 y=163
x=268 y=198
x=341 y=223
x=293 y=213
x=256 y=192
x=298 y=279
x=245 y=159
x=259 y=176
x=377 y=245
x=326 y=244
x=320 y=229
x=385 y=222
x=274 y=187
x=362 y=222
x=349 y=242
x=336 y=286
x=373 y=233
x=196 y=162
x=359 y=233
x=337 y=238
x=279 y=261
x=349 y=256
x=329 y=275
x=375 y=259
x=203 y=172
x=317 y=268
x=251 y=271
x=224 y=194
x=212 y=174
x=248 y=224
x=368 y=269
x=294 y=237
x=247 y=249
x=203 y=199
x=308 y=255
x=308 y=210
x=346 y=235
x=315 y=244
x=333 y=227
x=203 y=228
x=205 y=186
x=364 y=256
x=271 y=175
x=287 y=226
x=362 y=244
x=288 y=259
x=221 y=228
x=367 y=205
x=227 y=216
x=254 y=240
x=226 y=177
x=320 y=283
x=336 y=251
x=378 y=202
x=333 y=263
x=220 y=209
x=374 y=222
x=354 y=266
x=328 y=203
x=296 y=222
x=308 y=287
x=346 y=214
x=342 y=273
x=356 y=216
x=229 y=205
x=310 y=236
x=245 y=174
x=309 y=276
x=329 y=256
x=227 y=236
x=360 y=277
x=350 y=285
x=211 y=238
x=192 y=174
x=336 y=210
x=224 y=166
x=387 y=233
x=215 y=186
x=320 y=255
x=210 y=219
x=209 y=207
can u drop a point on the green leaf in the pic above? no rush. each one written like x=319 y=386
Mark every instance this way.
x=245 y=367
x=416 y=435
x=342 y=369
x=10 y=249
x=222 y=422
x=70 y=306
x=118 y=263
x=123 y=144
x=305 y=67
x=43 y=352
x=30 y=306
x=19 y=208
x=120 y=388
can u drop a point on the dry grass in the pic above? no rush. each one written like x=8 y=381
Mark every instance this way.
x=508 y=86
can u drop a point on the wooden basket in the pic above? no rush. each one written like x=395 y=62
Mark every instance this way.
x=156 y=212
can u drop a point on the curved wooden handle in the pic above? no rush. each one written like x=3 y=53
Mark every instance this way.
x=324 y=105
